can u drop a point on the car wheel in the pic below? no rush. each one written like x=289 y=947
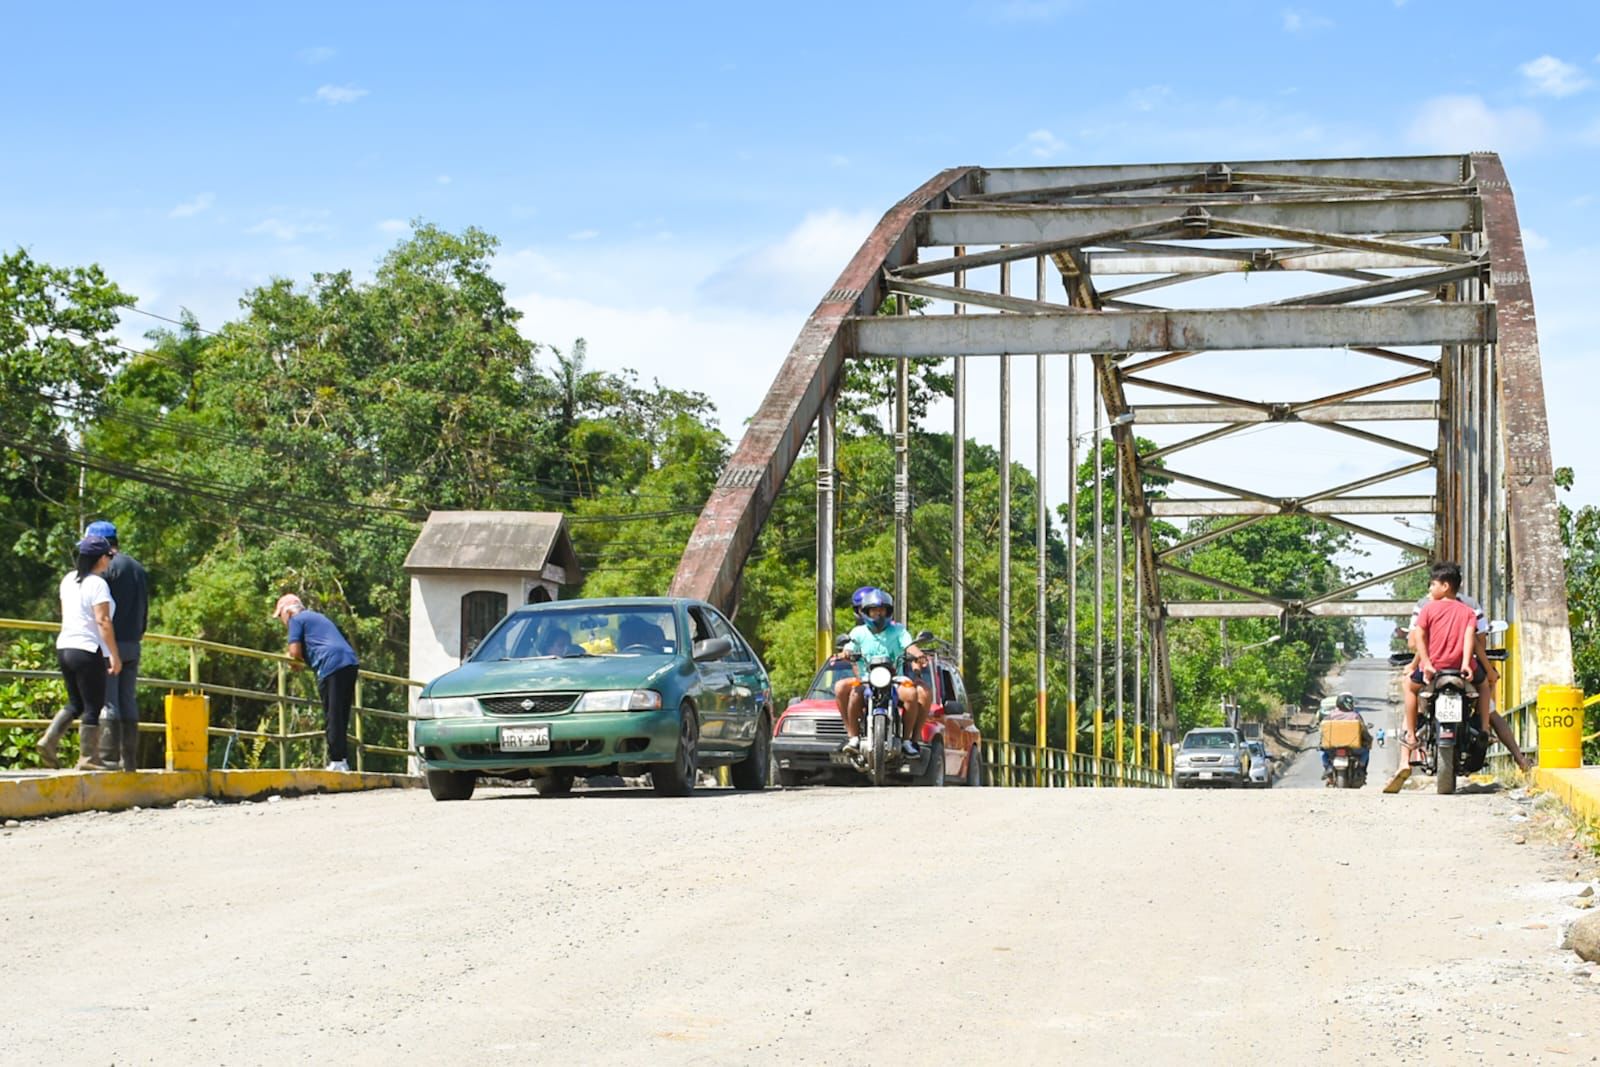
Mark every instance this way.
x=676 y=779
x=753 y=772
x=451 y=785
x=554 y=784
x=934 y=775
x=975 y=775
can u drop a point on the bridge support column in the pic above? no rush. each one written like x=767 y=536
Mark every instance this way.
x=827 y=525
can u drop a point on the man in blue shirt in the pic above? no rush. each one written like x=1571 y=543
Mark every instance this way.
x=315 y=639
x=880 y=636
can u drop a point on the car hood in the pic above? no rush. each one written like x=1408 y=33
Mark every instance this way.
x=544 y=675
x=813 y=707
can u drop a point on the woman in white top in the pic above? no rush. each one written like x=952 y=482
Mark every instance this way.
x=83 y=648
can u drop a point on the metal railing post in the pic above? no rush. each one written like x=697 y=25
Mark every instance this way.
x=283 y=716
x=360 y=733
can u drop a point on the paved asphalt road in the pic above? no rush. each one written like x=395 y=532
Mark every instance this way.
x=1374 y=684
x=838 y=926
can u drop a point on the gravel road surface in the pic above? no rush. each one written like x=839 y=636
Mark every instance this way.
x=843 y=926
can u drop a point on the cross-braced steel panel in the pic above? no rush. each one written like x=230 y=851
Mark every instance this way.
x=1426 y=285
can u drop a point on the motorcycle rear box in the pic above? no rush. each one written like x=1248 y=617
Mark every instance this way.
x=1341 y=733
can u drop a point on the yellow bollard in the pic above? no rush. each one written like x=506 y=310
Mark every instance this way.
x=1072 y=742
x=188 y=718
x=1560 y=726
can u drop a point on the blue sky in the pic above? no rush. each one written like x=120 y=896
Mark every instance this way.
x=679 y=183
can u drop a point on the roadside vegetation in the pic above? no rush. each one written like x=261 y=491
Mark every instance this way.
x=299 y=446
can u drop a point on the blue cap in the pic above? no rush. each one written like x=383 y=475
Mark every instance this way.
x=101 y=528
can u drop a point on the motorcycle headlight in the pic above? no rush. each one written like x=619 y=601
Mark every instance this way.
x=619 y=700
x=448 y=708
x=800 y=726
x=880 y=677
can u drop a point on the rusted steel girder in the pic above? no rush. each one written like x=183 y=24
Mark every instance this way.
x=743 y=497
x=1538 y=584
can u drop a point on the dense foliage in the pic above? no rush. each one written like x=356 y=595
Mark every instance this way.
x=298 y=447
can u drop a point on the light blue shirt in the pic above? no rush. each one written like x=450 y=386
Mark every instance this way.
x=891 y=641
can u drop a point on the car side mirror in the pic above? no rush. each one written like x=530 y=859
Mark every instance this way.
x=924 y=635
x=954 y=707
x=1399 y=659
x=712 y=648
x=1497 y=654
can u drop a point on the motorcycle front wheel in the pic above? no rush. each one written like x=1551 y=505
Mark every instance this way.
x=880 y=749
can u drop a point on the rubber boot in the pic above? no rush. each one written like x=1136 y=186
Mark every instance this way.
x=89 y=745
x=110 y=748
x=52 y=738
x=130 y=746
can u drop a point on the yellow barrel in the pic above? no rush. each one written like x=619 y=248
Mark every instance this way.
x=1560 y=726
x=188 y=718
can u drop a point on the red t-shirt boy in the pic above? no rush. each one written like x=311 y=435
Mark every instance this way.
x=1447 y=627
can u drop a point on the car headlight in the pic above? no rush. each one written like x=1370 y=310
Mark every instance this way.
x=619 y=700
x=1184 y=758
x=800 y=726
x=448 y=708
x=880 y=677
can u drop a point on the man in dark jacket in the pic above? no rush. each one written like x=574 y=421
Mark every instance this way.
x=130 y=591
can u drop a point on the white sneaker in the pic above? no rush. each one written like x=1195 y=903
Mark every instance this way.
x=853 y=745
x=909 y=749
x=338 y=765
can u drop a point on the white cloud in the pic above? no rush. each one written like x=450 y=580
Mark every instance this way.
x=1149 y=98
x=1041 y=144
x=285 y=231
x=1466 y=123
x=190 y=208
x=393 y=226
x=583 y=235
x=318 y=54
x=333 y=95
x=1304 y=22
x=795 y=271
x=1028 y=10
x=1549 y=76
x=1533 y=240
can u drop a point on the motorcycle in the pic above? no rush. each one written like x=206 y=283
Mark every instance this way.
x=880 y=757
x=1348 y=773
x=1448 y=731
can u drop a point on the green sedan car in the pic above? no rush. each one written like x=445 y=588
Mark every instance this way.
x=588 y=687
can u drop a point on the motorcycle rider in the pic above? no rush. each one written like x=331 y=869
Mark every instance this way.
x=1484 y=676
x=1445 y=635
x=1345 y=708
x=878 y=636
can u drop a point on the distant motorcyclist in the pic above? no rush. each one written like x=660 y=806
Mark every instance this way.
x=1345 y=708
x=879 y=636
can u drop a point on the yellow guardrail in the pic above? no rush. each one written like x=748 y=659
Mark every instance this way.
x=1013 y=763
x=285 y=702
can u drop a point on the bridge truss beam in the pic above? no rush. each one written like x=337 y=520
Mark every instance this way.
x=1433 y=287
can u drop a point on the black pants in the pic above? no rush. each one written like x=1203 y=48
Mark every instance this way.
x=338 y=691
x=85 y=675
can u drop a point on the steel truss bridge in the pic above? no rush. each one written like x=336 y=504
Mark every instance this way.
x=1410 y=270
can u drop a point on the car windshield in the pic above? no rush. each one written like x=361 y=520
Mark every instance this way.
x=1213 y=740
x=835 y=669
x=556 y=632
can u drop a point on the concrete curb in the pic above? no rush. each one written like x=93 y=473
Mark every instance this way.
x=70 y=792
x=1578 y=788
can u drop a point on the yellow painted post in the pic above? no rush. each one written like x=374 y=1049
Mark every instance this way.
x=824 y=646
x=1122 y=772
x=1005 y=731
x=283 y=716
x=1099 y=742
x=1041 y=728
x=360 y=733
x=1072 y=742
x=1511 y=673
x=194 y=665
x=1138 y=746
x=1560 y=726
x=188 y=718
